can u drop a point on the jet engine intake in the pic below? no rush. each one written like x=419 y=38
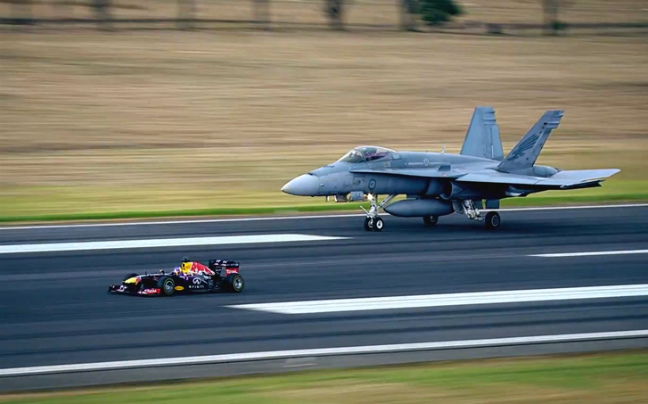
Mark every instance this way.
x=419 y=208
x=453 y=191
x=435 y=188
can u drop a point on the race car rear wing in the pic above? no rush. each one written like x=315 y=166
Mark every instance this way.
x=219 y=264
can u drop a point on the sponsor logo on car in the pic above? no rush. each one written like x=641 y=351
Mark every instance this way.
x=149 y=291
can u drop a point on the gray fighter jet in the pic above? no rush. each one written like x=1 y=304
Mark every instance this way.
x=438 y=184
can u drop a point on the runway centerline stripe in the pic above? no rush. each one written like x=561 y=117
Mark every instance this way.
x=351 y=350
x=447 y=299
x=589 y=253
x=157 y=243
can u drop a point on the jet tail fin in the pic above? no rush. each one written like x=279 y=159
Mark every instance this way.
x=483 y=136
x=526 y=152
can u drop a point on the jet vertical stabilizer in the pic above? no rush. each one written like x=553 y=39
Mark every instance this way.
x=483 y=136
x=526 y=152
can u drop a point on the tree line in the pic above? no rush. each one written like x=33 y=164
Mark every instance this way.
x=429 y=12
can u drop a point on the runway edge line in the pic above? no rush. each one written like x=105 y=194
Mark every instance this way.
x=319 y=352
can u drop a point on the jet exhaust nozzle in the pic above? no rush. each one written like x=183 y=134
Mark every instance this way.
x=419 y=208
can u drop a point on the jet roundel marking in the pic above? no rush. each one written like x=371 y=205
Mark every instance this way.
x=372 y=184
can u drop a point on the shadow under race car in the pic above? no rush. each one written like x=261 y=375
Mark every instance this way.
x=190 y=277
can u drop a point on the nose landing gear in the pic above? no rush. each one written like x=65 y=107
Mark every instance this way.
x=373 y=222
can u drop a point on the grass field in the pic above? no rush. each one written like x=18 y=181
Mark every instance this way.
x=167 y=120
x=601 y=378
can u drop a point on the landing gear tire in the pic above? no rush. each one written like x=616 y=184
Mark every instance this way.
x=372 y=221
x=376 y=224
x=430 y=220
x=492 y=221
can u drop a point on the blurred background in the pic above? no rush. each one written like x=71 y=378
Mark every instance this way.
x=152 y=105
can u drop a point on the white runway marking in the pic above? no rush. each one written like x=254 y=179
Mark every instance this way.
x=304 y=217
x=157 y=243
x=297 y=353
x=448 y=299
x=589 y=253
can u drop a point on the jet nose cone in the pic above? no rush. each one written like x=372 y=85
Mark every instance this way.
x=304 y=185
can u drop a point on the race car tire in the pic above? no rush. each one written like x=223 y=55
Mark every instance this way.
x=166 y=284
x=129 y=276
x=235 y=283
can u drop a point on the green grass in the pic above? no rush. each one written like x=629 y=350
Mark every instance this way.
x=596 y=378
x=611 y=192
x=181 y=213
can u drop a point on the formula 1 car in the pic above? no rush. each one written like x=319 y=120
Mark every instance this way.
x=189 y=277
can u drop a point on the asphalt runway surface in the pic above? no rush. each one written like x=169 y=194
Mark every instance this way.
x=55 y=309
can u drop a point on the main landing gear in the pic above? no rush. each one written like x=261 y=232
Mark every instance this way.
x=430 y=220
x=491 y=221
x=373 y=222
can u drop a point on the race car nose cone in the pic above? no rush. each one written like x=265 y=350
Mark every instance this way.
x=304 y=185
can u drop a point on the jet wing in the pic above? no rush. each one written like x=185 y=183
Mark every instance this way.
x=500 y=178
x=561 y=180
x=432 y=172
x=574 y=178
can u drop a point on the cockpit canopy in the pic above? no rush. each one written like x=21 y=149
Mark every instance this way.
x=363 y=154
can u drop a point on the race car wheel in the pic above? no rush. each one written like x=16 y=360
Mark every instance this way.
x=235 y=283
x=166 y=284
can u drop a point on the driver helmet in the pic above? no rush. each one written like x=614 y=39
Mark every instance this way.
x=186 y=265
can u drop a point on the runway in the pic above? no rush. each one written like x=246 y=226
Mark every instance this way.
x=55 y=309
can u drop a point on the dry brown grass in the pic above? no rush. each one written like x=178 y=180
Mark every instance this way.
x=163 y=119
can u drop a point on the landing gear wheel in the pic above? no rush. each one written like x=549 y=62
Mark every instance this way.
x=378 y=224
x=430 y=220
x=372 y=221
x=492 y=221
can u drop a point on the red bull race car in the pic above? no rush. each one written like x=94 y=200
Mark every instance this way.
x=189 y=277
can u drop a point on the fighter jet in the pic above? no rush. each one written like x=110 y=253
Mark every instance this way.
x=438 y=184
